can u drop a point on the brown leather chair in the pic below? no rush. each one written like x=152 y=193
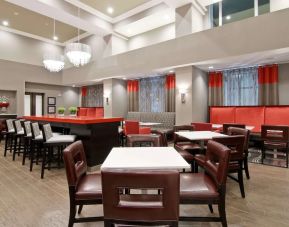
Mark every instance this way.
x=208 y=187
x=236 y=144
x=185 y=147
x=84 y=189
x=3 y=128
x=246 y=133
x=140 y=209
x=275 y=138
x=138 y=140
x=235 y=125
x=164 y=141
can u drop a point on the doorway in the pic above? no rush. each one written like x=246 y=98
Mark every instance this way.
x=33 y=104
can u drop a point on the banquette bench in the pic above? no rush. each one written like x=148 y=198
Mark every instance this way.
x=250 y=115
x=167 y=120
x=90 y=112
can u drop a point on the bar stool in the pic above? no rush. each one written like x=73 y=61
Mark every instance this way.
x=52 y=141
x=9 y=136
x=27 y=140
x=18 y=139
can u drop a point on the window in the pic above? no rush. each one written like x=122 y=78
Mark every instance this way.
x=152 y=94
x=240 y=87
x=263 y=6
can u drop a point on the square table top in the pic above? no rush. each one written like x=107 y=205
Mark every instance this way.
x=144 y=158
x=199 y=135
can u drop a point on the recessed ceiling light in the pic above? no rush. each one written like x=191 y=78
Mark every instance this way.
x=211 y=67
x=110 y=10
x=55 y=38
x=171 y=71
x=5 y=23
x=73 y=85
x=228 y=17
x=124 y=78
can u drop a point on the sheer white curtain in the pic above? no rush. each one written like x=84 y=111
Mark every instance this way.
x=240 y=87
x=152 y=94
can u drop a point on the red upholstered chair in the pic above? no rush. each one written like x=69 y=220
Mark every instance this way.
x=132 y=127
x=82 y=112
x=84 y=189
x=201 y=126
x=136 y=209
x=275 y=138
x=90 y=112
x=208 y=187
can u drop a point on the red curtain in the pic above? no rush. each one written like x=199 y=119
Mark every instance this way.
x=268 y=85
x=170 y=93
x=83 y=91
x=133 y=95
x=215 y=88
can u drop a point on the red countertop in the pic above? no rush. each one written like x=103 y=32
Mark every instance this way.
x=73 y=120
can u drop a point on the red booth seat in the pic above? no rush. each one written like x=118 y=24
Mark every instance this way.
x=251 y=115
x=90 y=112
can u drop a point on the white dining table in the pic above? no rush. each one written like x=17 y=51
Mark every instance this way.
x=144 y=158
x=201 y=136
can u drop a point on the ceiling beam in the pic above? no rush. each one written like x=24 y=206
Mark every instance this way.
x=61 y=15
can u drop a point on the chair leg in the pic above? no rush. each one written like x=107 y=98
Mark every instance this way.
x=107 y=223
x=241 y=183
x=72 y=213
x=43 y=163
x=7 y=140
x=246 y=167
x=15 y=148
x=222 y=212
x=80 y=209
x=211 y=208
x=196 y=170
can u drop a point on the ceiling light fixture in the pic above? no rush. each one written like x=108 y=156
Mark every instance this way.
x=110 y=10
x=171 y=71
x=79 y=54
x=5 y=23
x=53 y=62
x=228 y=17
x=211 y=67
x=55 y=38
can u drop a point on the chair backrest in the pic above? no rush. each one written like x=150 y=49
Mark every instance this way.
x=47 y=132
x=9 y=124
x=201 y=126
x=236 y=143
x=131 y=127
x=141 y=207
x=136 y=140
x=275 y=133
x=75 y=163
x=217 y=162
x=241 y=131
x=35 y=130
x=27 y=128
x=178 y=128
x=164 y=141
x=18 y=127
x=228 y=125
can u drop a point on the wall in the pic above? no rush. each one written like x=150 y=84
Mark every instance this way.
x=14 y=75
x=157 y=35
x=65 y=96
x=278 y=5
x=284 y=84
x=24 y=50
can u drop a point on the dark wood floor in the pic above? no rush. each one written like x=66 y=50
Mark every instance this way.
x=28 y=201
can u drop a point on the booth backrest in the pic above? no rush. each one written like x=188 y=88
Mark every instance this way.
x=251 y=115
x=90 y=112
x=220 y=115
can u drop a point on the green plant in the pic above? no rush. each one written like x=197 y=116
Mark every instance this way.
x=61 y=110
x=72 y=110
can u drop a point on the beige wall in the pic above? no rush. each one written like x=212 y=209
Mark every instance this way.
x=157 y=35
x=65 y=96
x=278 y=5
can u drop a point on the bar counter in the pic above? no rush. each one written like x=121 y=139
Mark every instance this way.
x=99 y=135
